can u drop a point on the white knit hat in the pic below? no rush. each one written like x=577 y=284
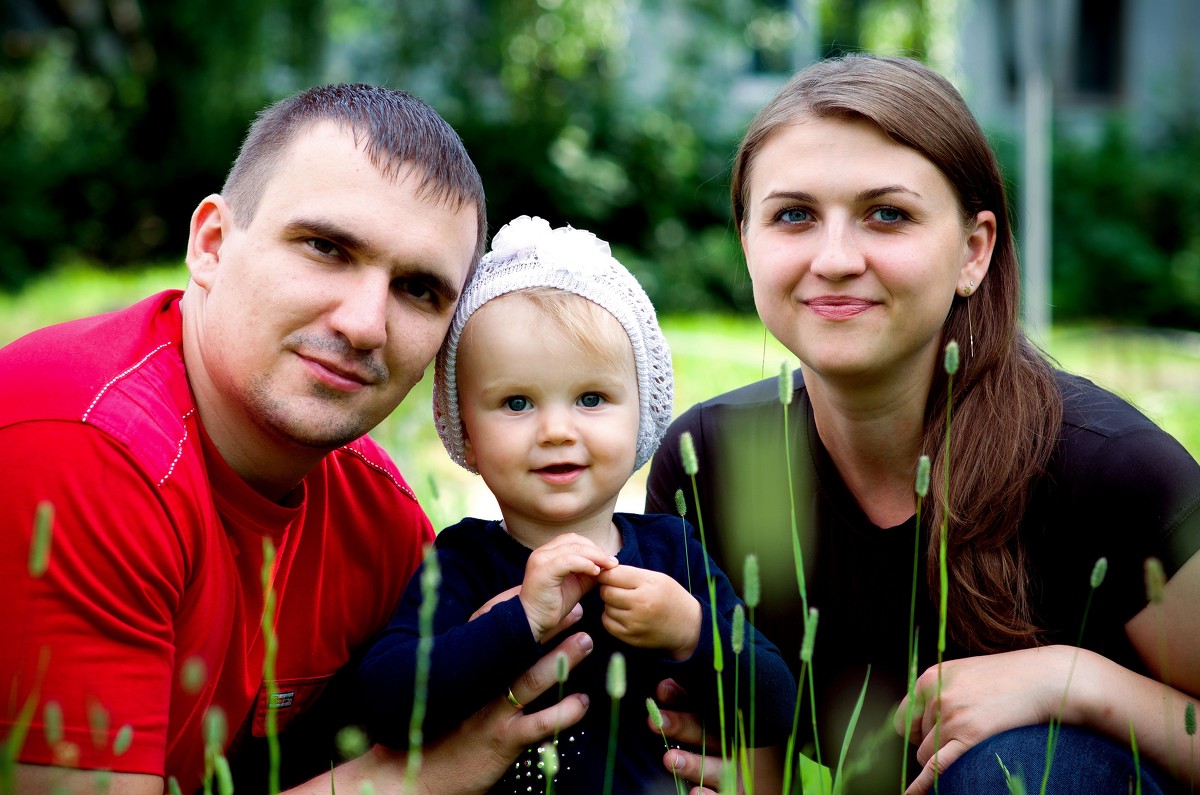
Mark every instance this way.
x=527 y=253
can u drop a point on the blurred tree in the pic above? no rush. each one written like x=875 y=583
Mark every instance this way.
x=116 y=116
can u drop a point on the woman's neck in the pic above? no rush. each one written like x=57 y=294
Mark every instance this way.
x=874 y=436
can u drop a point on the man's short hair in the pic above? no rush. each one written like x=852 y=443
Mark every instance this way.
x=395 y=129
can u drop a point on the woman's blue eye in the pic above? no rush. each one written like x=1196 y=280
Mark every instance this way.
x=517 y=403
x=795 y=216
x=889 y=214
x=591 y=400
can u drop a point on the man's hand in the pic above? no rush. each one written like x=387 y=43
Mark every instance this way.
x=650 y=610
x=684 y=727
x=557 y=575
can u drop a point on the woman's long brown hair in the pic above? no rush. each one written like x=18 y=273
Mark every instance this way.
x=1007 y=409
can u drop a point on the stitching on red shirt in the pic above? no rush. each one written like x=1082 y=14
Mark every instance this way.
x=375 y=466
x=117 y=378
x=179 y=452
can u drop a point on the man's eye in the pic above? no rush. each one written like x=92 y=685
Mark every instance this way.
x=516 y=403
x=323 y=246
x=591 y=400
x=417 y=289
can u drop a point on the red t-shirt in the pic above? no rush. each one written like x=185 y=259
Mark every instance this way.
x=157 y=550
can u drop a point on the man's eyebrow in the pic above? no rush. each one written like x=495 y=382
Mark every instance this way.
x=339 y=236
x=349 y=241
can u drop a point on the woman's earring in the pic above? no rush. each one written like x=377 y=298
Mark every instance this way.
x=970 y=326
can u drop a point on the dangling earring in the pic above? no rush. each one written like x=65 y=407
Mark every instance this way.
x=970 y=326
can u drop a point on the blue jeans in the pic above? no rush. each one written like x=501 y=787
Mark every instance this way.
x=1084 y=764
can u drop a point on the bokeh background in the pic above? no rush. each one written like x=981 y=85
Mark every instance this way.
x=620 y=116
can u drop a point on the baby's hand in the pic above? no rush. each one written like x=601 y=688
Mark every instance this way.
x=557 y=575
x=650 y=610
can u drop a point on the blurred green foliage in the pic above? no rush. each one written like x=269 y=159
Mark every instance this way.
x=117 y=116
x=1127 y=229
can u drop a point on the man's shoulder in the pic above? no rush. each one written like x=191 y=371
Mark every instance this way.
x=77 y=369
x=364 y=461
x=120 y=373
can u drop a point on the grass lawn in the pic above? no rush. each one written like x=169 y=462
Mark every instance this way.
x=1158 y=371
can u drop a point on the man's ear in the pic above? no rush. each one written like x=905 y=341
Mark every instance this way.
x=211 y=223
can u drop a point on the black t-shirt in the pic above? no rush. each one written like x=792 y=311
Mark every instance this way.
x=1117 y=486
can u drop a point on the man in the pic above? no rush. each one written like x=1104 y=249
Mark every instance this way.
x=184 y=438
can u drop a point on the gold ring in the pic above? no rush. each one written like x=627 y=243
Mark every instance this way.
x=513 y=700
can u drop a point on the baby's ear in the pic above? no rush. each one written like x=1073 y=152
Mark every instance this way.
x=468 y=452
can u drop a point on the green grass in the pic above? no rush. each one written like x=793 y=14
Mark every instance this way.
x=1156 y=370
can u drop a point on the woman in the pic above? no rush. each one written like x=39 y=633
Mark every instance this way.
x=874 y=224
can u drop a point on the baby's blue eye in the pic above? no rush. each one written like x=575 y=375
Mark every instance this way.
x=591 y=400
x=516 y=403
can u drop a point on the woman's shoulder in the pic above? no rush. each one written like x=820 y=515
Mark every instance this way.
x=749 y=403
x=1115 y=453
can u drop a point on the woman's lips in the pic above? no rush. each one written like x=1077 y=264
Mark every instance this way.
x=836 y=307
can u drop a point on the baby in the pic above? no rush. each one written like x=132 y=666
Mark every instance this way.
x=554 y=384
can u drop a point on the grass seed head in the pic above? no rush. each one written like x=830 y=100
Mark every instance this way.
x=951 y=360
x=549 y=760
x=1189 y=719
x=562 y=667
x=785 y=383
x=687 y=449
x=616 y=676
x=123 y=740
x=1098 y=572
x=655 y=714
x=43 y=530
x=810 y=636
x=753 y=585
x=680 y=503
x=1155 y=580
x=52 y=716
x=738 y=639
x=923 y=476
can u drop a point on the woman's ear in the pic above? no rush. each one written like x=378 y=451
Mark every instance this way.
x=981 y=241
x=211 y=223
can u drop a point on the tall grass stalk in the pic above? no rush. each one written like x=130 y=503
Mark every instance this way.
x=1156 y=581
x=549 y=764
x=38 y=564
x=786 y=391
x=562 y=669
x=687 y=451
x=752 y=596
x=738 y=644
x=839 y=783
x=616 y=691
x=1189 y=728
x=1137 y=762
x=656 y=720
x=681 y=507
x=271 y=652
x=1098 y=572
x=1016 y=785
x=431 y=578
x=806 y=652
x=951 y=365
x=922 y=490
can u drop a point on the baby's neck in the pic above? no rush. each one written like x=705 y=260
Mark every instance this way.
x=601 y=531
